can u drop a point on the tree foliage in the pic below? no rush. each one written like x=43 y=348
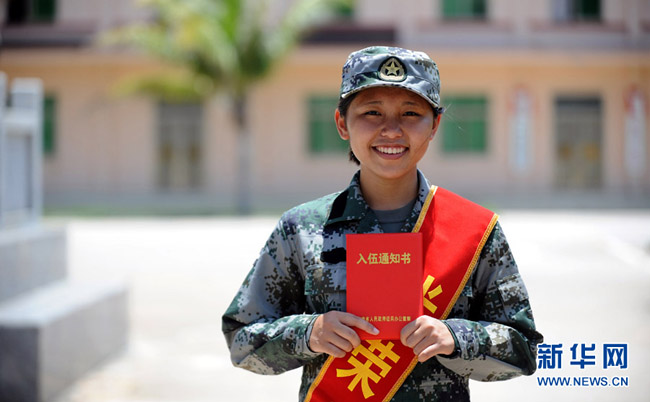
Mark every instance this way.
x=219 y=46
x=216 y=45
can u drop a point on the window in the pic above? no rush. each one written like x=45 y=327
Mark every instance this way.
x=323 y=136
x=576 y=10
x=27 y=11
x=49 y=125
x=464 y=9
x=464 y=125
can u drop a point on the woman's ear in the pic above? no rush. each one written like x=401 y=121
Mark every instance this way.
x=436 y=124
x=341 y=127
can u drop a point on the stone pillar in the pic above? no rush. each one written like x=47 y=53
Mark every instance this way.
x=3 y=190
x=53 y=329
x=20 y=153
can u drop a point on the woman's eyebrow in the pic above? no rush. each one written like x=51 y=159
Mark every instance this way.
x=380 y=102
x=372 y=102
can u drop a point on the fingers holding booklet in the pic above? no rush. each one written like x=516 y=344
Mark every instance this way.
x=332 y=333
x=428 y=337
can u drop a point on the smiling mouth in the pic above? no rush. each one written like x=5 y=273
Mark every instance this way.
x=391 y=150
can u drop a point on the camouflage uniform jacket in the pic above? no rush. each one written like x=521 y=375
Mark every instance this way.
x=301 y=273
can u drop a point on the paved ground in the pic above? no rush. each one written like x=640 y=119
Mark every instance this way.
x=588 y=275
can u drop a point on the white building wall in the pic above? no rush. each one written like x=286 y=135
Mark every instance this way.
x=107 y=145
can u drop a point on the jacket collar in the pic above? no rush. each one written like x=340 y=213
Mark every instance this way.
x=350 y=206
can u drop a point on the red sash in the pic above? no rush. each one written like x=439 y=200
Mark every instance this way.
x=454 y=231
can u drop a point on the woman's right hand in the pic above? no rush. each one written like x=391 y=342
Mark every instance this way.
x=332 y=333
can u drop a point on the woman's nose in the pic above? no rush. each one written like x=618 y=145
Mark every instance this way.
x=392 y=128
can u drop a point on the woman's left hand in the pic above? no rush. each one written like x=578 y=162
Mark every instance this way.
x=427 y=337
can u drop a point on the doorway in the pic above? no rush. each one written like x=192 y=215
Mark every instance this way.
x=179 y=146
x=578 y=151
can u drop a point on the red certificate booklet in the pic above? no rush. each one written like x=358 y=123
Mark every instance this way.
x=384 y=280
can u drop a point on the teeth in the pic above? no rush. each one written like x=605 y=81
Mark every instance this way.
x=391 y=150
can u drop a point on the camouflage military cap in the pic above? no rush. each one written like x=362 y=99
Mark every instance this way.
x=381 y=66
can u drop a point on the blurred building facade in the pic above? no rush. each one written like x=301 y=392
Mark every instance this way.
x=544 y=99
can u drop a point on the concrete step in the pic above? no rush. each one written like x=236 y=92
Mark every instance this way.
x=30 y=257
x=53 y=335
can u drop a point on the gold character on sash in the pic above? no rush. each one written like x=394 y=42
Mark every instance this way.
x=430 y=294
x=362 y=372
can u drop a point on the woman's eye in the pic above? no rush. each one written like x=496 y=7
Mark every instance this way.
x=411 y=113
x=372 y=113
